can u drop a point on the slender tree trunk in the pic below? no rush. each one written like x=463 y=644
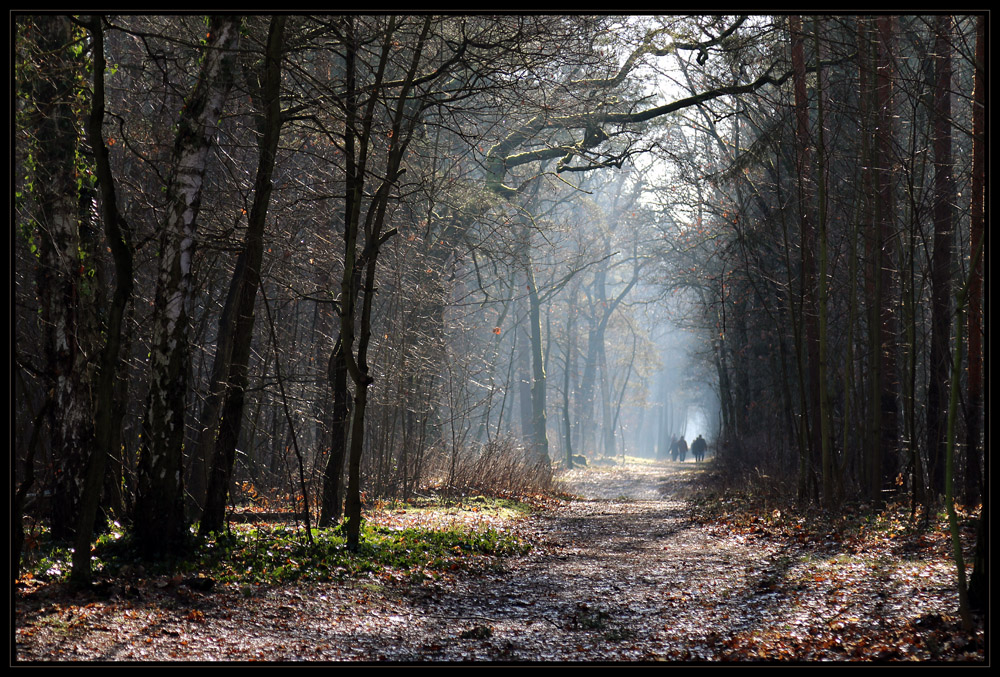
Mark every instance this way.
x=539 y=437
x=524 y=379
x=823 y=290
x=585 y=396
x=60 y=270
x=979 y=588
x=356 y=160
x=236 y=326
x=808 y=244
x=569 y=353
x=404 y=114
x=595 y=347
x=849 y=422
x=109 y=404
x=616 y=413
x=331 y=504
x=794 y=305
x=876 y=78
x=885 y=455
x=941 y=260
x=159 y=522
x=607 y=426
x=974 y=409
x=865 y=233
x=949 y=459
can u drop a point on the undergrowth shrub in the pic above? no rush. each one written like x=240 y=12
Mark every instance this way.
x=753 y=465
x=500 y=467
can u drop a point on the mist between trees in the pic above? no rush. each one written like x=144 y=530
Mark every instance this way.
x=342 y=258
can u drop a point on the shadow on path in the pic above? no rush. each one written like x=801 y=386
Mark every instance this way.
x=621 y=575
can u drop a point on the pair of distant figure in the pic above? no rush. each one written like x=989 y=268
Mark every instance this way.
x=679 y=449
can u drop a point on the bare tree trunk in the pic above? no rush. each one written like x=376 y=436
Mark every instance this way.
x=523 y=373
x=941 y=261
x=949 y=459
x=974 y=410
x=237 y=324
x=159 y=522
x=109 y=405
x=568 y=366
x=808 y=245
x=358 y=130
x=824 y=392
x=539 y=432
x=877 y=105
x=979 y=589
x=60 y=271
x=331 y=505
x=886 y=461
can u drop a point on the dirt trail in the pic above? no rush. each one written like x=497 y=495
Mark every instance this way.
x=621 y=575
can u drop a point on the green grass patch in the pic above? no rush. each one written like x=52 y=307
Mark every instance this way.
x=261 y=554
x=254 y=554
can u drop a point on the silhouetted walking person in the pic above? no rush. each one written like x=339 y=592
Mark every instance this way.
x=698 y=448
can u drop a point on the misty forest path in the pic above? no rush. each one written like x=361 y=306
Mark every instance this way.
x=621 y=573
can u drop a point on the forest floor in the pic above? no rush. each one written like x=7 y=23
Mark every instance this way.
x=640 y=567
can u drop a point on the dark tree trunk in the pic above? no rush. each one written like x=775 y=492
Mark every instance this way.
x=808 y=242
x=974 y=410
x=979 y=582
x=881 y=462
x=331 y=505
x=109 y=395
x=159 y=521
x=887 y=457
x=404 y=113
x=60 y=271
x=568 y=367
x=243 y=292
x=941 y=261
x=539 y=434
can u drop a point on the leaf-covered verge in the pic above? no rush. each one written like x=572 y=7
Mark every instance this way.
x=852 y=582
x=404 y=544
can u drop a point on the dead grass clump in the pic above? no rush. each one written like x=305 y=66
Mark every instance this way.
x=501 y=467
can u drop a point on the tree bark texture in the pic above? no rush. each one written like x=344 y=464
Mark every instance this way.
x=159 y=522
